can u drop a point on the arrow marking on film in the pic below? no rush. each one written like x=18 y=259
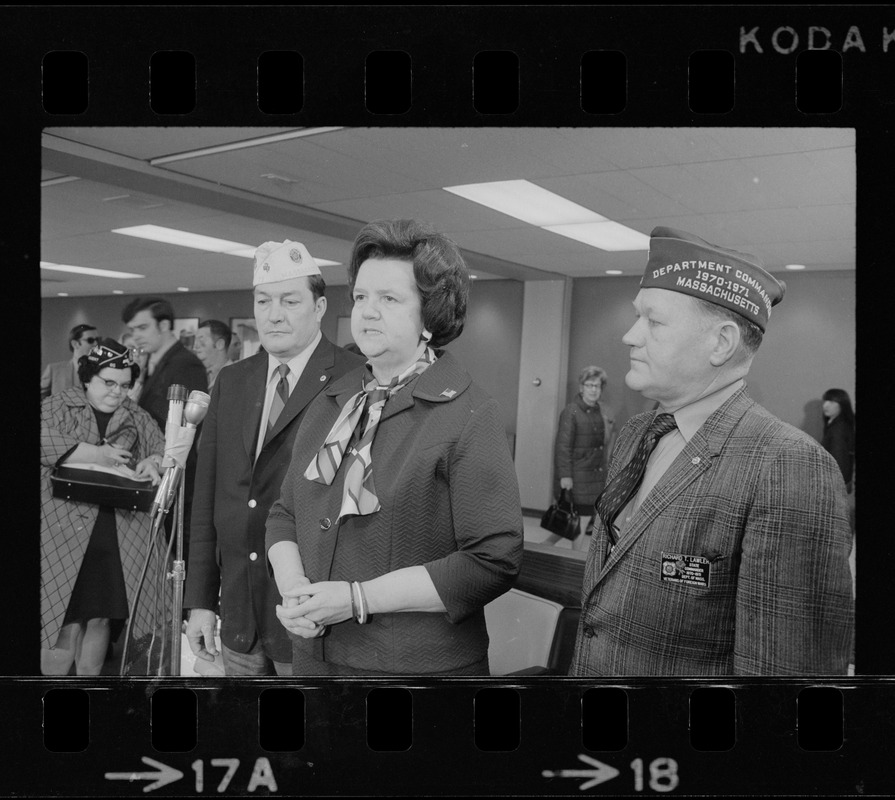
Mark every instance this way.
x=599 y=774
x=165 y=775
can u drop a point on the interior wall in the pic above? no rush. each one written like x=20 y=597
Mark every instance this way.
x=809 y=346
x=489 y=347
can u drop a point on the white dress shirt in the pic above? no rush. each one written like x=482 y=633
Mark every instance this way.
x=296 y=368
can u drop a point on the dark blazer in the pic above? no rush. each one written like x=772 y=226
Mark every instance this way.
x=444 y=476
x=766 y=506
x=234 y=493
x=178 y=365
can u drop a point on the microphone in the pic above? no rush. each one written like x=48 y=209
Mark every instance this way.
x=196 y=408
x=170 y=482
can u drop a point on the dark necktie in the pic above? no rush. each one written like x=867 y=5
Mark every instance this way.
x=623 y=486
x=280 y=396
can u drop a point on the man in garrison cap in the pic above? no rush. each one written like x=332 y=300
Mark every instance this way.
x=256 y=407
x=721 y=540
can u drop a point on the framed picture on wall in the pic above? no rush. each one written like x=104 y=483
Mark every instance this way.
x=245 y=341
x=185 y=329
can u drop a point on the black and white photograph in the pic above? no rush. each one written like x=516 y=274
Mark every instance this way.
x=568 y=260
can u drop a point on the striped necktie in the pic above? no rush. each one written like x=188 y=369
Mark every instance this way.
x=280 y=396
x=626 y=482
x=358 y=493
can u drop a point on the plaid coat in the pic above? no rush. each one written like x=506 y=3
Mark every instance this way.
x=765 y=505
x=65 y=527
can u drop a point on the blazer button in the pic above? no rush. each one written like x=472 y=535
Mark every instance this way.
x=325 y=524
x=589 y=632
x=253 y=503
x=253 y=556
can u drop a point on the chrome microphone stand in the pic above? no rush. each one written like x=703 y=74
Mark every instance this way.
x=178 y=575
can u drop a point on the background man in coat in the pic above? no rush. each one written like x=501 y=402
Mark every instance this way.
x=243 y=458
x=731 y=556
x=150 y=320
x=60 y=375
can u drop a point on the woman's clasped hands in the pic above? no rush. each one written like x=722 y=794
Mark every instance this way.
x=308 y=608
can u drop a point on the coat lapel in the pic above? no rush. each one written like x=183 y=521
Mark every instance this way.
x=254 y=405
x=694 y=460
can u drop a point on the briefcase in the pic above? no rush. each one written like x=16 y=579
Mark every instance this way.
x=562 y=517
x=102 y=488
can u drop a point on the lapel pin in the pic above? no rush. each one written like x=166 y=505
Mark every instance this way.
x=696 y=460
x=323 y=377
x=449 y=393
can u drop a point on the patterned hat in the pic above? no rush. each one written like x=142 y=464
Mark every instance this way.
x=279 y=261
x=109 y=353
x=682 y=262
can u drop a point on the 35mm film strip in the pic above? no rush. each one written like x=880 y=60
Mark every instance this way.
x=650 y=66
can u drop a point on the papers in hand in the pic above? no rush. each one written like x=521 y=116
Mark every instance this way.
x=120 y=469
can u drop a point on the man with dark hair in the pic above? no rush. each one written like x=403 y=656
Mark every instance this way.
x=722 y=538
x=256 y=408
x=151 y=323
x=64 y=374
x=212 y=345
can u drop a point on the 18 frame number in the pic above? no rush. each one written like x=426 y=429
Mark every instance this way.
x=663 y=775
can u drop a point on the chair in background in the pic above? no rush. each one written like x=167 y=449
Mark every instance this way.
x=522 y=628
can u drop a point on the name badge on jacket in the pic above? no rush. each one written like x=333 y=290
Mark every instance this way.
x=689 y=570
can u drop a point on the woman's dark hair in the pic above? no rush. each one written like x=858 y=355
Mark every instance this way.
x=841 y=396
x=90 y=365
x=441 y=274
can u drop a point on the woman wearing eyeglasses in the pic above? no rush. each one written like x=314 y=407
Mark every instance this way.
x=91 y=555
x=583 y=445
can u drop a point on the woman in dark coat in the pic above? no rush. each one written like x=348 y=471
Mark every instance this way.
x=399 y=518
x=91 y=555
x=839 y=440
x=583 y=446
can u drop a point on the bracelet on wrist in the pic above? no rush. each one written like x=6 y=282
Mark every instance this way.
x=363 y=609
x=353 y=603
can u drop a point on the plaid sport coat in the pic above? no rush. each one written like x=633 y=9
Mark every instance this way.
x=763 y=508
x=65 y=527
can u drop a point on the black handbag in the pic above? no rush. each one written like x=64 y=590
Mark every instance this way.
x=101 y=488
x=562 y=517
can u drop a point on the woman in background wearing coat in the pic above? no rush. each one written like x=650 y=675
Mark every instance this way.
x=582 y=450
x=91 y=556
x=391 y=536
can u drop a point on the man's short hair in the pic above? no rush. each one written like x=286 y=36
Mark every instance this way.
x=75 y=334
x=159 y=308
x=218 y=330
x=750 y=334
x=317 y=286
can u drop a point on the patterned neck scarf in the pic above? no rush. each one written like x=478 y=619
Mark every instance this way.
x=358 y=493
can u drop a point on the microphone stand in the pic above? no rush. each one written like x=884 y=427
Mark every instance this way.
x=178 y=575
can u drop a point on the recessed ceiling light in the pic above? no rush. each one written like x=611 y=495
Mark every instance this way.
x=183 y=289
x=99 y=273
x=117 y=291
x=62 y=294
x=473 y=277
x=606 y=235
x=795 y=266
x=526 y=201
x=613 y=272
x=197 y=241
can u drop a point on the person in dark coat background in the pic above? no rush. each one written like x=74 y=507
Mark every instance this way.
x=839 y=440
x=242 y=461
x=581 y=453
x=150 y=320
x=399 y=518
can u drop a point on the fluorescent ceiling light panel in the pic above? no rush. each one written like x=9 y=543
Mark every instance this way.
x=607 y=235
x=242 y=145
x=197 y=241
x=526 y=201
x=99 y=273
